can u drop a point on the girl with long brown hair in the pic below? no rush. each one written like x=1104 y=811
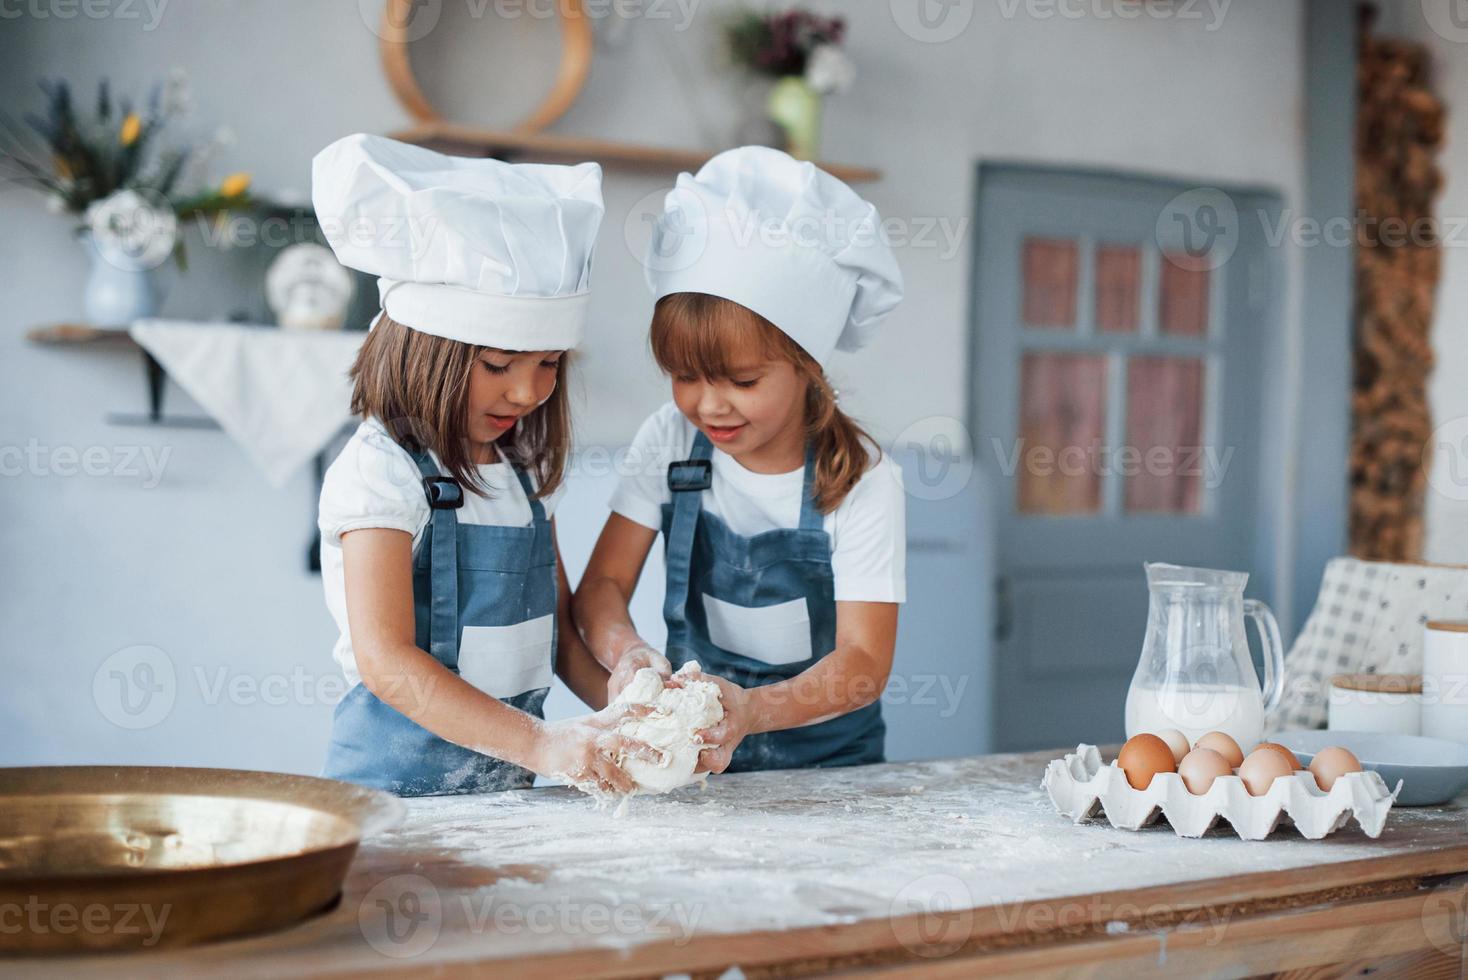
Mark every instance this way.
x=783 y=522
x=439 y=557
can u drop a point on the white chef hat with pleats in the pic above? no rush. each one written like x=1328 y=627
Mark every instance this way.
x=480 y=251
x=783 y=238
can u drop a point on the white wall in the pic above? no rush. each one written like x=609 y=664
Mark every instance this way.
x=1447 y=495
x=208 y=566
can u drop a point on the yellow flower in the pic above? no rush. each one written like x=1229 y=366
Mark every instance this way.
x=132 y=126
x=234 y=185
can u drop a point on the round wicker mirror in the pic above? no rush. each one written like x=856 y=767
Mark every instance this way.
x=398 y=31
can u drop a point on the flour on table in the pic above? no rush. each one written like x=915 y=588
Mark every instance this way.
x=678 y=714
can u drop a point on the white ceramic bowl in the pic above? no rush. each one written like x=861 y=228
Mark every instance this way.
x=1432 y=770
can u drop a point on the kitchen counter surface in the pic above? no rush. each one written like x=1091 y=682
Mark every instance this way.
x=897 y=866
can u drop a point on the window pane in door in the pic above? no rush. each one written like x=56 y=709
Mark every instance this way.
x=1049 y=267
x=1062 y=422
x=1164 y=427
x=1183 y=297
x=1118 y=287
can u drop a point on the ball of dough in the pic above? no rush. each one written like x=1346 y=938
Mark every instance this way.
x=678 y=714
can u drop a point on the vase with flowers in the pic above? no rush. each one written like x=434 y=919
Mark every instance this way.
x=802 y=52
x=125 y=191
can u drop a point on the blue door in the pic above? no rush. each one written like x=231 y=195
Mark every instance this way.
x=1119 y=338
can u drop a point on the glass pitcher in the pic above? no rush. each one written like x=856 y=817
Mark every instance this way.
x=1195 y=674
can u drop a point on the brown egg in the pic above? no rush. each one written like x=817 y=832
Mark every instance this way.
x=1200 y=768
x=1176 y=741
x=1224 y=745
x=1261 y=769
x=1284 y=753
x=1331 y=764
x=1144 y=756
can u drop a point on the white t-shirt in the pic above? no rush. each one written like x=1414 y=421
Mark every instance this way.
x=375 y=483
x=868 y=529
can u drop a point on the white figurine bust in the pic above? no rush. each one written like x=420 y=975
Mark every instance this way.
x=307 y=288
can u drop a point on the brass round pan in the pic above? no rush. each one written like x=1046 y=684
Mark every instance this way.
x=150 y=857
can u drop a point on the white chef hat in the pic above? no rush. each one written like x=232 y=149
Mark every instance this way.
x=479 y=251
x=783 y=238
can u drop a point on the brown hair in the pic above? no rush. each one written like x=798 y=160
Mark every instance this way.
x=698 y=335
x=417 y=386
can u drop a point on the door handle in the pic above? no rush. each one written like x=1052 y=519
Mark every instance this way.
x=1003 y=609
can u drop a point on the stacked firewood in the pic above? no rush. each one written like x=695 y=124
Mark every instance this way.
x=1399 y=128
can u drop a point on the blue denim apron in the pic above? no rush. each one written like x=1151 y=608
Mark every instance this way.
x=758 y=610
x=484 y=605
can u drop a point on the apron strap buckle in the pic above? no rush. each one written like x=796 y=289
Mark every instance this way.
x=444 y=492
x=690 y=474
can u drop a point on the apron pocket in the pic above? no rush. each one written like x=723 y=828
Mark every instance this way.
x=503 y=661
x=778 y=634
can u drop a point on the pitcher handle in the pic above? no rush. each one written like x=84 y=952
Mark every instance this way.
x=1264 y=620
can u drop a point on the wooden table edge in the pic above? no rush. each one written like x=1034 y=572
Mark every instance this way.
x=1364 y=933
x=984 y=932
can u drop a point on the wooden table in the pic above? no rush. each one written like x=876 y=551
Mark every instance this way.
x=945 y=868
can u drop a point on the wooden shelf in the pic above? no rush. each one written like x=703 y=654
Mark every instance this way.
x=77 y=333
x=84 y=335
x=463 y=140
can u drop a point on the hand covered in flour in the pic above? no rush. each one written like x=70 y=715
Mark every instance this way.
x=723 y=737
x=679 y=708
x=584 y=751
x=632 y=660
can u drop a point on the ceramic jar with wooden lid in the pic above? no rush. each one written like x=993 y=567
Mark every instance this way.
x=1376 y=703
x=1445 y=680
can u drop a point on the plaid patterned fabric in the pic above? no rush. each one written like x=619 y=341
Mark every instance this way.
x=1367 y=619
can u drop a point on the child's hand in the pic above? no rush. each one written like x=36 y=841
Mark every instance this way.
x=630 y=663
x=584 y=750
x=724 y=737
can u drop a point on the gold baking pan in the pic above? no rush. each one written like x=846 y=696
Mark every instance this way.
x=152 y=857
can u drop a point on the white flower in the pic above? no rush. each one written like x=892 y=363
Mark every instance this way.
x=130 y=231
x=829 y=70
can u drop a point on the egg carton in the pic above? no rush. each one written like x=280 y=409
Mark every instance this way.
x=1080 y=786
